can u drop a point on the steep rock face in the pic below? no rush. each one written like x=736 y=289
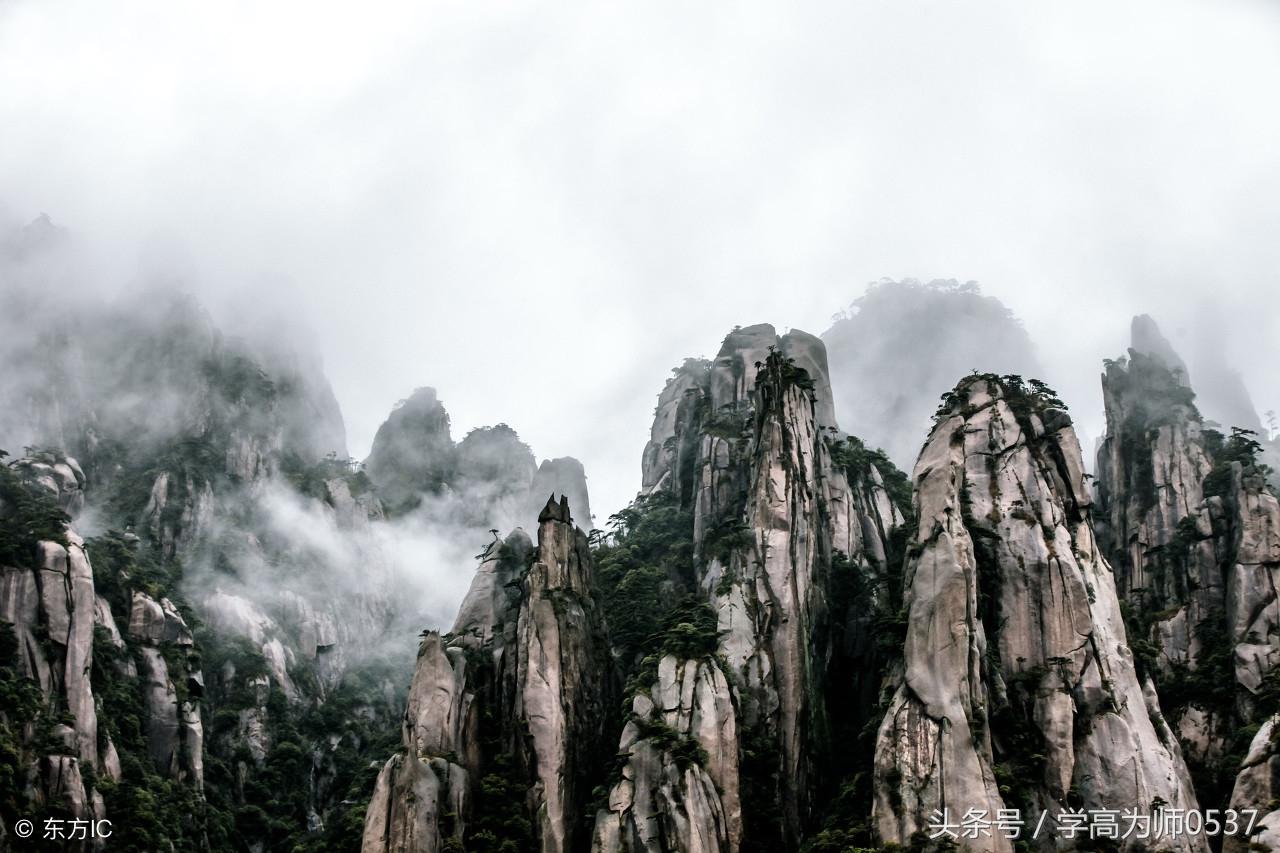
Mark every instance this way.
x=1194 y=533
x=175 y=732
x=770 y=514
x=179 y=512
x=1019 y=687
x=679 y=789
x=208 y=476
x=203 y=461
x=412 y=451
x=1253 y=578
x=521 y=688
x=489 y=480
x=771 y=606
x=55 y=600
x=1257 y=788
x=60 y=476
x=221 y=482
x=563 y=694
x=1146 y=338
x=1152 y=517
x=781 y=501
x=493 y=471
x=661 y=468
x=51 y=608
x=422 y=796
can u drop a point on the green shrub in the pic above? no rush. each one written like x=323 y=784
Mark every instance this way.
x=28 y=515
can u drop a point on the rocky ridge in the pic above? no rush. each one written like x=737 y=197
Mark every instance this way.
x=1194 y=533
x=66 y=639
x=811 y=662
x=224 y=507
x=521 y=686
x=746 y=460
x=1019 y=688
x=488 y=480
x=51 y=609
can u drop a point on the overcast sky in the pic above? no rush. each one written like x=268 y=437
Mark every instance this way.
x=541 y=208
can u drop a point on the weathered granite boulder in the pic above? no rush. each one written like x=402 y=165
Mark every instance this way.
x=1019 y=687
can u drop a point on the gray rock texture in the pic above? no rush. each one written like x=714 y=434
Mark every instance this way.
x=50 y=603
x=413 y=450
x=1019 y=687
x=679 y=788
x=172 y=721
x=488 y=480
x=524 y=681
x=748 y=443
x=1193 y=531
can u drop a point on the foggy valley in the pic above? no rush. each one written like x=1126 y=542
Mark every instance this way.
x=443 y=429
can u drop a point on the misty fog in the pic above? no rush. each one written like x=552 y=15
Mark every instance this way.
x=304 y=307
x=540 y=211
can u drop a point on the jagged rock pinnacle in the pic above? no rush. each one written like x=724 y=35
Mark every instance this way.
x=555 y=510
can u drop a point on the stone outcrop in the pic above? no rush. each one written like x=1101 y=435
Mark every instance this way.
x=172 y=688
x=221 y=461
x=179 y=512
x=1152 y=517
x=562 y=476
x=767 y=589
x=749 y=446
x=522 y=685
x=54 y=609
x=1019 y=688
x=51 y=607
x=1257 y=789
x=679 y=788
x=494 y=457
x=805 y=665
x=678 y=405
x=1252 y=579
x=563 y=674
x=1187 y=520
x=489 y=480
x=423 y=795
x=60 y=476
x=1145 y=337
x=413 y=450
x=799 y=509
x=1150 y=470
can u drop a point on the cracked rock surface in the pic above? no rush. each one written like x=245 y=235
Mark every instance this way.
x=1019 y=687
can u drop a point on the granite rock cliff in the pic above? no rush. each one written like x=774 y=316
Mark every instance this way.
x=1019 y=688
